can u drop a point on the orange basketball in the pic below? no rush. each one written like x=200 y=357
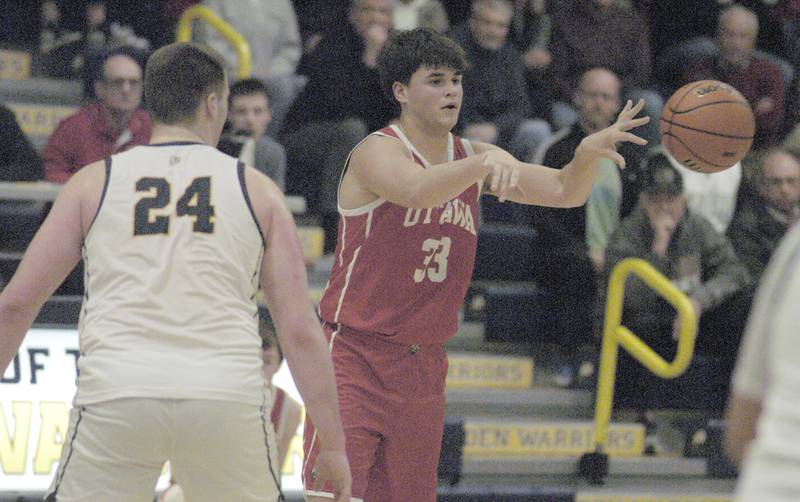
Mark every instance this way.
x=708 y=126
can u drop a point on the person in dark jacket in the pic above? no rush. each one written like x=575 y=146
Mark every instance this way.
x=762 y=219
x=341 y=102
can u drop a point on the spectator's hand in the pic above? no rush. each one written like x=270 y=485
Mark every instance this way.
x=764 y=105
x=603 y=143
x=598 y=257
x=663 y=225
x=332 y=466
x=485 y=132
x=503 y=171
x=374 y=39
x=537 y=58
x=676 y=324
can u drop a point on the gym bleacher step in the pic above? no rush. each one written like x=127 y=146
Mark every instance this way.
x=511 y=311
x=49 y=91
x=674 y=471
x=498 y=440
x=488 y=371
x=536 y=402
x=659 y=490
x=615 y=490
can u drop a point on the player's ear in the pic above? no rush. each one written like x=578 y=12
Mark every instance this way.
x=212 y=104
x=400 y=92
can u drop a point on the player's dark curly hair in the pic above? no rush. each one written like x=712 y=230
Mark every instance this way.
x=407 y=51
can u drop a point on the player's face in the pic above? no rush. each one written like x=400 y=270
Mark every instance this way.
x=121 y=86
x=271 y=360
x=490 y=25
x=250 y=113
x=737 y=38
x=780 y=182
x=435 y=94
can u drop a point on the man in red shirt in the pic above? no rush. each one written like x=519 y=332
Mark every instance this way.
x=408 y=205
x=757 y=78
x=112 y=124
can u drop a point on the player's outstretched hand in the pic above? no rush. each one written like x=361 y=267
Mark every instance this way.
x=603 y=143
x=332 y=466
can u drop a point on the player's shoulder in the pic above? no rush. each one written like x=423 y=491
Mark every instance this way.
x=380 y=145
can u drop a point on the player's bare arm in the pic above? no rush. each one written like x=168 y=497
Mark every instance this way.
x=568 y=187
x=285 y=285
x=741 y=416
x=50 y=257
x=381 y=167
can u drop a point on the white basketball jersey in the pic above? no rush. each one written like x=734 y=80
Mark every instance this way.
x=172 y=264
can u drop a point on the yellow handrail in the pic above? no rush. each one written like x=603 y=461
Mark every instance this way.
x=615 y=335
x=184 y=34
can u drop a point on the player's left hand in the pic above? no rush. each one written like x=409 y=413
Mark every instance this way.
x=603 y=143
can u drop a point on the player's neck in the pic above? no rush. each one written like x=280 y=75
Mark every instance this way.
x=163 y=133
x=431 y=142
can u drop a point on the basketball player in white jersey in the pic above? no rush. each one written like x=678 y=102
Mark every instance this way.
x=176 y=238
x=763 y=417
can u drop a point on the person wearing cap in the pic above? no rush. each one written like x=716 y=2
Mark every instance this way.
x=700 y=261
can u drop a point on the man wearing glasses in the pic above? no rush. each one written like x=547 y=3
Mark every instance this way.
x=112 y=124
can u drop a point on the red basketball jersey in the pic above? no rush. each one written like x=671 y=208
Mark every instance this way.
x=403 y=272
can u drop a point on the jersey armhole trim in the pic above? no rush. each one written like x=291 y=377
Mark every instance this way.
x=102 y=194
x=243 y=185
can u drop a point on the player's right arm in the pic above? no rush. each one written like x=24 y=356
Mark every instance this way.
x=384 y=167
x=51 y=255
x=285 y=286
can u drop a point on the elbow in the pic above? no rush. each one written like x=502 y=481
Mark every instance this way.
x=571 y=199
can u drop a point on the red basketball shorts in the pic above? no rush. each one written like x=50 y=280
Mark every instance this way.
x=391 y=398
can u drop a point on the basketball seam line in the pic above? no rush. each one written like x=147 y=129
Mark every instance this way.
x=699 y=157
x=729 y=136
x=676 y=112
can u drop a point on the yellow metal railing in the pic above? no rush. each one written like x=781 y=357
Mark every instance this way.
x=184 y=34
x=616 y=335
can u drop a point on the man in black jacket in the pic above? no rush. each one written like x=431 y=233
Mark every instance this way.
x=762 y=219
x=341 y=102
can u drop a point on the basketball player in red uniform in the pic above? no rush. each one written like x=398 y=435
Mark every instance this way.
x=408 y=201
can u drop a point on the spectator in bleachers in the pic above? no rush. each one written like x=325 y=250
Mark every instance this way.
x=531 y=29
x=342 y=100
x=410 y=14
x=577 y=237
x=673 y=21
x=713 y=196
x=597 y=98
x=758 y=79
x=602 y=33
x=496 y=108
x=114 y=123
x=761 y=221
x=18 y=159
x=75 y=54
x=270 y=28
x=249 y=114
x=699 y=261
